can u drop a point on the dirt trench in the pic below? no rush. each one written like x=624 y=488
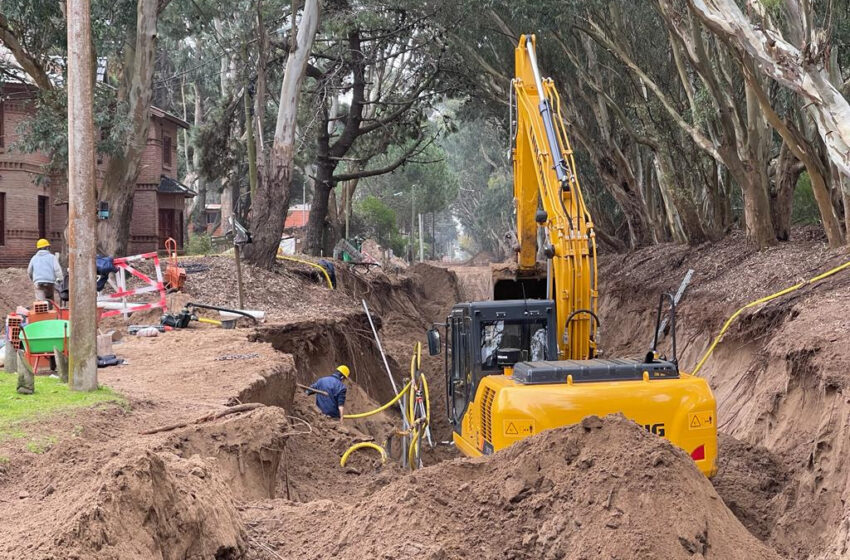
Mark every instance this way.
x=779 y=376
x=270 y=480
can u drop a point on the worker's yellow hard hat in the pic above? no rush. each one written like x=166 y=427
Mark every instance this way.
x=344 y=370
x=42 y=243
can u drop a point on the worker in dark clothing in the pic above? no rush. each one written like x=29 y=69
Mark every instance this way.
x=332 y=404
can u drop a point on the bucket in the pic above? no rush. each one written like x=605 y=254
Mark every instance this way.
x=228 y=323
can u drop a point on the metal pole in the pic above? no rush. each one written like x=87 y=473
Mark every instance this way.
x=412 y=221
x=386 y=364
x=421 y=237
x=82 y=203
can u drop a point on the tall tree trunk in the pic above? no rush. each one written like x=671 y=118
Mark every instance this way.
x=315 y=239
x=273 y=194
x=785 y=175
x=119 y=182
x=198 y=216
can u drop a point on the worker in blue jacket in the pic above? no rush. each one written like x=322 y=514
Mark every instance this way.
x=332 y=404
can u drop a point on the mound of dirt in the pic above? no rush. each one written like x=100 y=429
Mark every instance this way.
x=156 y=505
x=15 y=289
x=601 y=489
x=289 y=291
x=246 y=449
x=780 y=374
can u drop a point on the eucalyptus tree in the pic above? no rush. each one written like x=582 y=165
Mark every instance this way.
x=124 y=37
x=377 y=70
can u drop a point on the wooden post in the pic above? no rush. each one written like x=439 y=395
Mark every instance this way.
x=82 y=204
x=10 y=364
x=236 y=251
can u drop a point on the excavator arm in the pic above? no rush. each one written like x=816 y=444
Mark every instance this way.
x=550 y=207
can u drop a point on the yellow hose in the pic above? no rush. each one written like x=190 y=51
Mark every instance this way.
x=209 y=321
x=381 y=408
x=417 y=425
x=411 y=451
x=361 y=445
x=759 y=301
x=427 y=400
x=314 y=265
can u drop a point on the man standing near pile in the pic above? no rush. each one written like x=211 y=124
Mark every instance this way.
x=331 y=400
x=44 y=271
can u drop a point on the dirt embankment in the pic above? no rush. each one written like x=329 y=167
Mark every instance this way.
x=780 y=375
x=602 y=489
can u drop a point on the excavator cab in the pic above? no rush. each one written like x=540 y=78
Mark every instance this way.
x=487 y=338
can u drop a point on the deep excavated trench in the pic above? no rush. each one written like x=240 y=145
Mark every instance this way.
x=783 y=417
x=235 y=487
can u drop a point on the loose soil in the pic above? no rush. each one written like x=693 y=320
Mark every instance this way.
x=267 y=483
x=602 y=489
x=780 y=375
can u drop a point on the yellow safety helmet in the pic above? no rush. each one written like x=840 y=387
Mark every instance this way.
x=344 y=371
x=42 y=243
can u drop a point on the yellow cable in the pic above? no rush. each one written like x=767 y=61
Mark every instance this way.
x=314 y=265
x=759 y=301
x=427 y=400
x=411 y=452
x=381 y=408
x=362 y=445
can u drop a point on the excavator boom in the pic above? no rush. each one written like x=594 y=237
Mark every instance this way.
x=550 y=206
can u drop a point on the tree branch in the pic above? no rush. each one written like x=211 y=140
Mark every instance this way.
x=383 y=170
x=29 y=63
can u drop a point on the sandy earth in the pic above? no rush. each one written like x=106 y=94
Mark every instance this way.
x=266 y=483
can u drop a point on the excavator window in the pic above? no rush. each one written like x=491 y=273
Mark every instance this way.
x=530 y=337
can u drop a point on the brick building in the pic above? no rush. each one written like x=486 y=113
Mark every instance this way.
x=33 y=205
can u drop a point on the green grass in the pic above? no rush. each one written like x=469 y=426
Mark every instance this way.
x=51 y=396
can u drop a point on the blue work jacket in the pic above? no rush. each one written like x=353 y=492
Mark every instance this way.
x=335 y=388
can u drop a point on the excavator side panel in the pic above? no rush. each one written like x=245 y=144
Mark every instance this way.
x=681 y=410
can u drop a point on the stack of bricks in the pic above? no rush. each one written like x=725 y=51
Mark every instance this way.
x=13 y=328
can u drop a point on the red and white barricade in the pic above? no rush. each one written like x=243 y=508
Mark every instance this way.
x=117 y=304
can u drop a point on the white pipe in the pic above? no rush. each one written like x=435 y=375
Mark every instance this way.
x=386 y=364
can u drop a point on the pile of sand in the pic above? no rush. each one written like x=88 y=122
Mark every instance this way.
x=156 y=505
x=15 y=289
x=601 y=489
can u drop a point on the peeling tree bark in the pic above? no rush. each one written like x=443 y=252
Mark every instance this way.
x=274 y=192
x=801 y=69
x=119 y=182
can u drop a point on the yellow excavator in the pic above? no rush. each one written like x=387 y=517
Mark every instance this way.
x=529 y=360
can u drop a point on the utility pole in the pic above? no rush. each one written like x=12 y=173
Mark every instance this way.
x=421 y=237
x=412 y=222
x=82 y=207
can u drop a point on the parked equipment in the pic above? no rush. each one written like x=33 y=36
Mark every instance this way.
x=529 y=361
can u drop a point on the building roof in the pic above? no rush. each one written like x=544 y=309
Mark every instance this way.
x=167 y=185
x=296 y=219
